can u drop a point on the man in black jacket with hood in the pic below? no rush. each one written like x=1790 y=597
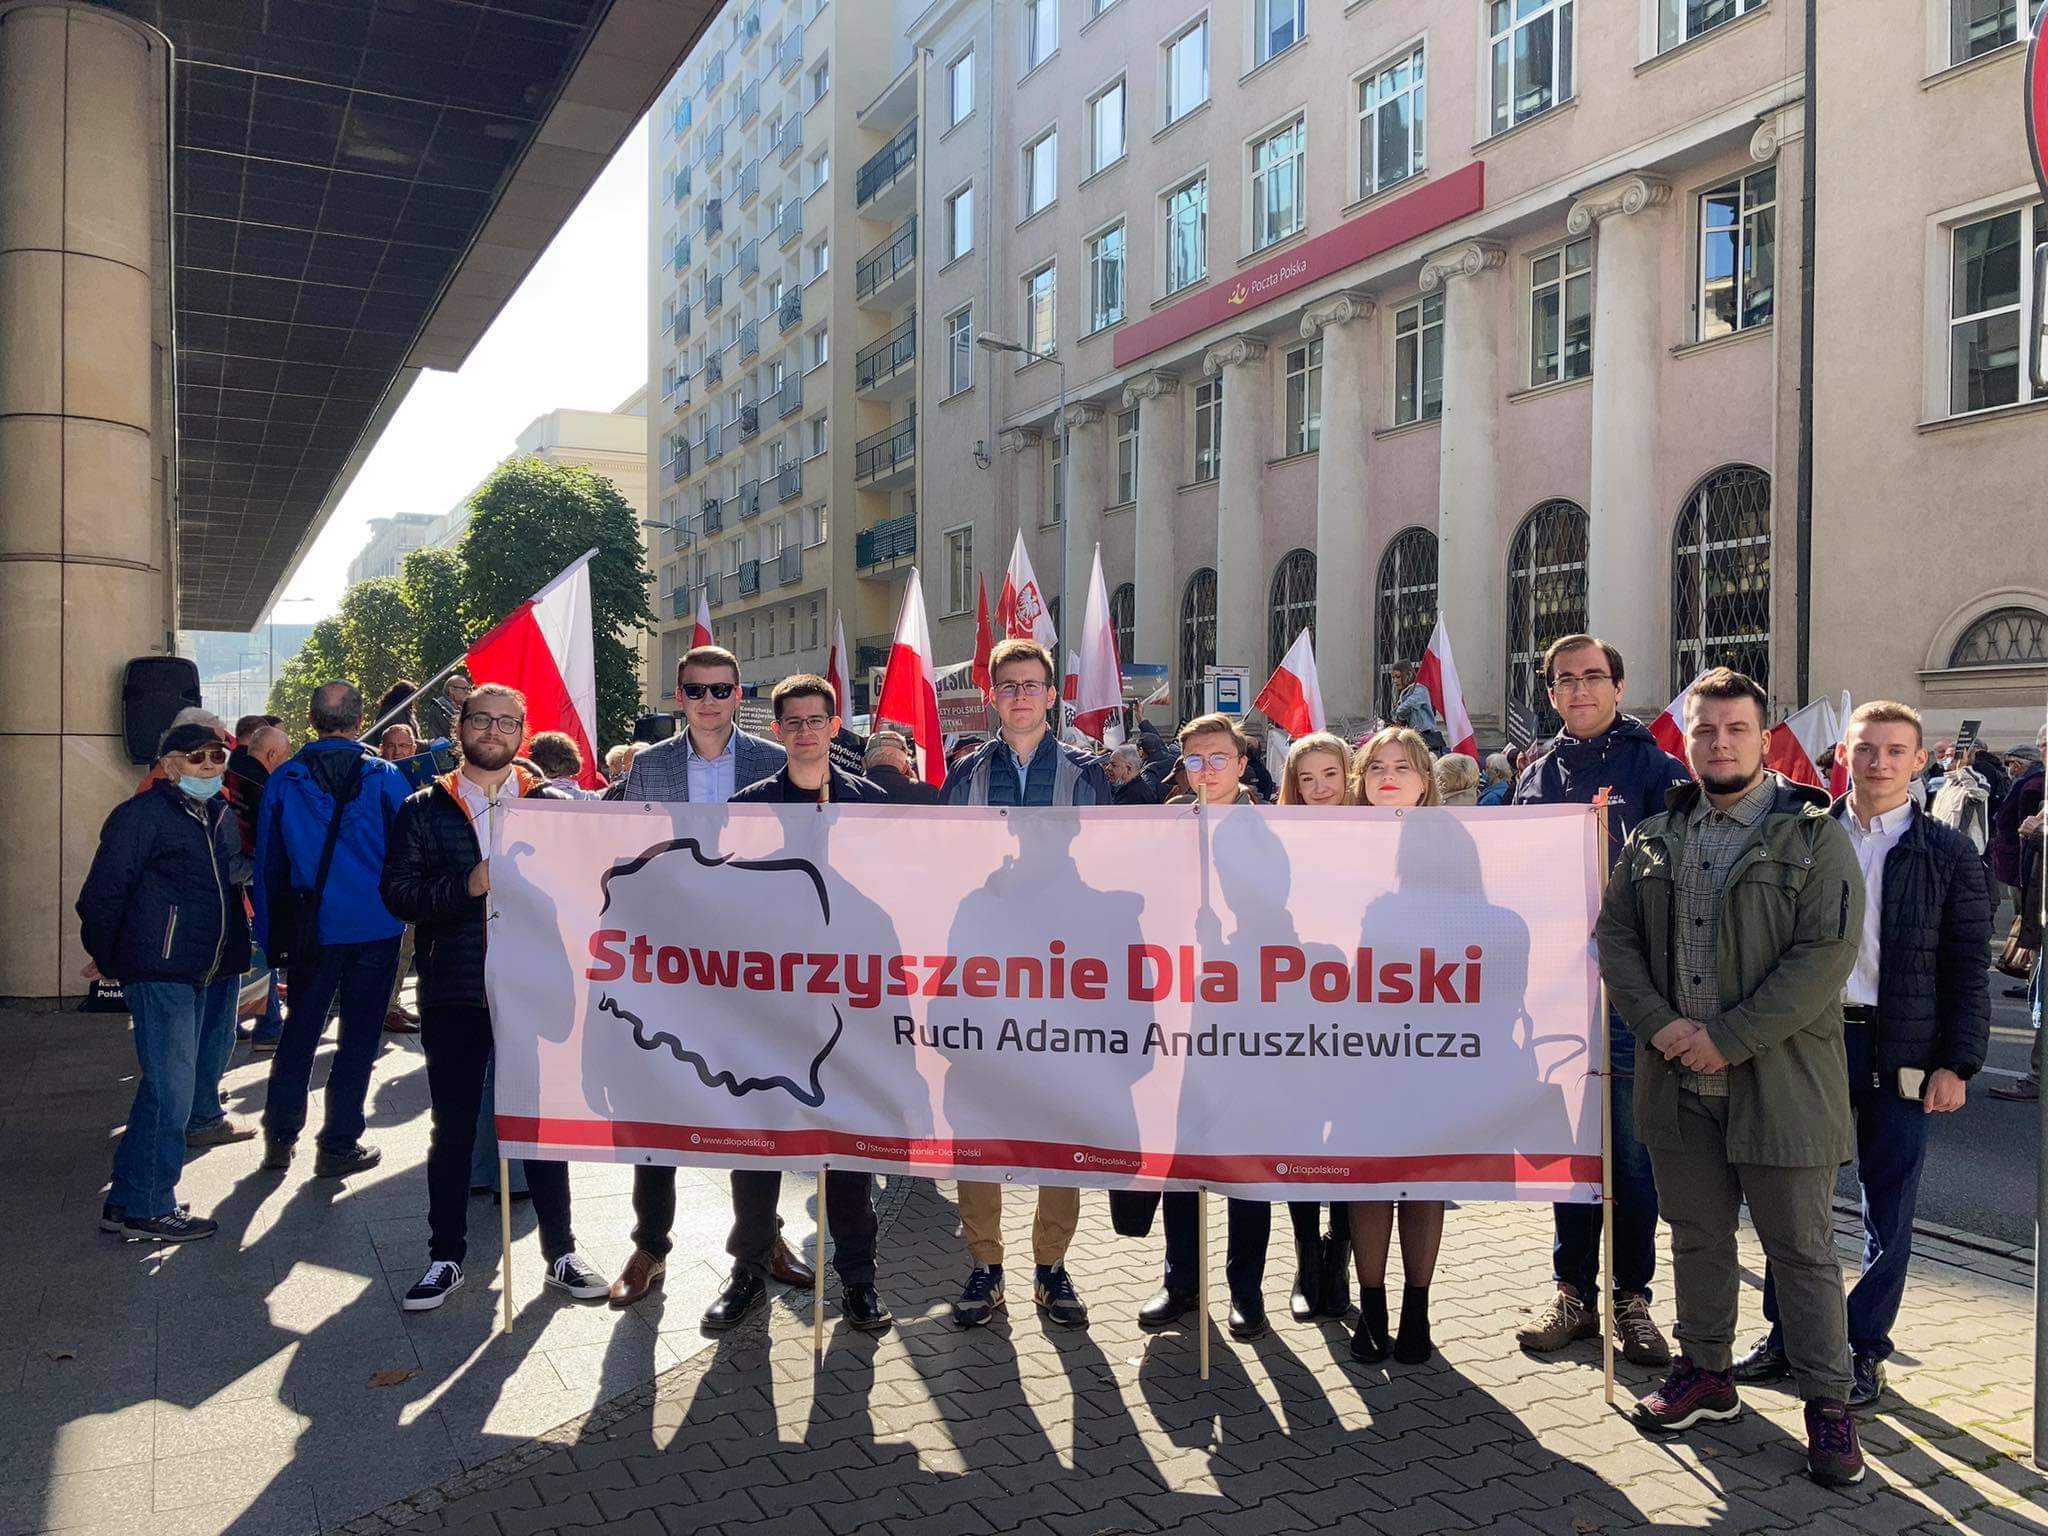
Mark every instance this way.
x=1601 y=748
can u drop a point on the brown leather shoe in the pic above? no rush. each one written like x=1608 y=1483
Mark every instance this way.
x=785 y=1268
x=642 y=1274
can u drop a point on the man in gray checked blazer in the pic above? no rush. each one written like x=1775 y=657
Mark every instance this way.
x=705 y=764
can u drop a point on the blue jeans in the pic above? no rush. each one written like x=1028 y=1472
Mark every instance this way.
x=216 y=1045
x=359 y=975
x=1575 y=1253
x=1891 y=1149
x=177 y=1026
x=270 y=1027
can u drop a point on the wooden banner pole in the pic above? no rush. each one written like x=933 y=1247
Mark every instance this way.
x=1606 y=1082
x=818 y=1282
x=1202 y=1280
x=505 y=1233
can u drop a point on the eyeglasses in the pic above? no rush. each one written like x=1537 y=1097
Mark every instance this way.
x=800 y=724
x=1574 y=682
x=698 y=690
x=1008 y=691
x=211 y=756
x=1195 y=762
x=504 y=725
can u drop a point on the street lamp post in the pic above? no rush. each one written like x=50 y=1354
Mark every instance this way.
x=989 y=341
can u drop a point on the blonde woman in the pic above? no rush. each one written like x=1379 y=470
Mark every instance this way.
x=1457 y=779
x=1395 y=769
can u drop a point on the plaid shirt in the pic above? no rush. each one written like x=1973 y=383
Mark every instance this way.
x=1714 y=843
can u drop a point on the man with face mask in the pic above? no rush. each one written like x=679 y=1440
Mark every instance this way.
x=161 y=914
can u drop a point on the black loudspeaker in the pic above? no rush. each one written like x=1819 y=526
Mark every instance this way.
x=653 y=728
x=153 y=689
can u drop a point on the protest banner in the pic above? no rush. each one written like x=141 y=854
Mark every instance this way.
x=1275 y=1003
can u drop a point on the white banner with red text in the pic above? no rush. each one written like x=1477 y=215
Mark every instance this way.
x=1277 y=1003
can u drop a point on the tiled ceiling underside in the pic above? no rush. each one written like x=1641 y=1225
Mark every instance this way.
x=335 y=159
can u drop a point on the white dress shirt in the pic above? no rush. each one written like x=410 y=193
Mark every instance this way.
x=711 y=778
x=1873 y=844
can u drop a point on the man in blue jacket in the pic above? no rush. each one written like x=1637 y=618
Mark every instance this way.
x=320 y=842
x=1601 y=748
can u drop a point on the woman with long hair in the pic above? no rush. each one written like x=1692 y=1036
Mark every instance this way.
x=1395 y=769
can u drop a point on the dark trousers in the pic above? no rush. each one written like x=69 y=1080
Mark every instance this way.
x=1244 y=1264
x=457 y=1041
x=1891 y=1149
x=1575 y=1252
x=1307 y=1216
x=359 y=976
x=849 y=1217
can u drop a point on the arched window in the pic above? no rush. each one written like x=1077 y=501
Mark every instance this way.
x=1293 y=607
x=1123 y=619
x=1546 y=600
x=2004 y=637
x=1404 y=609
x=1721 y=577
x=1197 y=638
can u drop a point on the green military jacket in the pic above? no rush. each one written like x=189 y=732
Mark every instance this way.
x=1791 y=921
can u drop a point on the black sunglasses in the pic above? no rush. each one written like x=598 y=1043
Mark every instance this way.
x=698 y=690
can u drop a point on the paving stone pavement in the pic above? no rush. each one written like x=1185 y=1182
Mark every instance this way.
x=226 y=1387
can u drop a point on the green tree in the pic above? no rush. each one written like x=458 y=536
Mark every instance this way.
x=377 y=642
x=529 y=520
x=320 y=660
x=431 y=581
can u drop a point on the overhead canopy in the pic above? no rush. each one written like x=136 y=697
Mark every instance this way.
x=359 y=186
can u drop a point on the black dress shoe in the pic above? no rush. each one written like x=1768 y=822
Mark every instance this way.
x=742 y=1295
x=1166 y=1309
x=863 y=1308
x=1763 y=1363
x=1248 y=1319
x=1307 y=1298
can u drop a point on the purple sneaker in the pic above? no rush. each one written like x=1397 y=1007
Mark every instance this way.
x=1688 y=1396
x=1834 y=1456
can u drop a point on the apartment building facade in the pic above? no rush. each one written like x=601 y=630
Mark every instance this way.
x=781 y=439
x=1491 y=308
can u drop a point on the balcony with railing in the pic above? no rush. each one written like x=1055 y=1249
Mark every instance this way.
x=750 y=577
x=714 y=446
x=790 y=227
x=714 y=71
x=872 y=653
x=749 y=186
x=790 y=398
x=714 y=369
x=791 y=314
x=748 y=263
x=679 y=121
x=749 y=422
x=679 y=187
x=679 y=326
x=750 y=341
x=888 y=366
x=679 y=255
x=678 y=470
x=750 y=103
x=714 y=146
x=714 y=589
x=789 y=565
x=714 y=291
x=886 y=458
x=789 y=138
x=789 y=57
x=714 y=217
x=750 y=25
x=748 y=500
x=881 y=280
x=789 y=481
x=885 y=173
x=892 y=539
x=714 y=515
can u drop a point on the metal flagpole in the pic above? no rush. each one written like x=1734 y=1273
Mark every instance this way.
x=1202 y=1279
x=2039 y=895
x=505 y=1233
x=1606 y=1158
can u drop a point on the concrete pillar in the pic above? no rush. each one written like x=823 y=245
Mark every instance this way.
x=1156 y=398
x=83 y=582
x=1087 y=490
x=1240 y=567
x=1344 y=575
x=1626 y=590
x=1471 y=579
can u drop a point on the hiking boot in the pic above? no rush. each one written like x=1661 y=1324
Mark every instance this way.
x=1307 y=1297
x=981 y=1299
x=1766 y=1362
x=1636 y=1332
x=177 y=1227
x=1869 y=1385
x=1334 y=1288
x=1687 y=1397
x=1056 y=1297
x=1565 y=1321
x=339 y=1165
x=1834 y=1455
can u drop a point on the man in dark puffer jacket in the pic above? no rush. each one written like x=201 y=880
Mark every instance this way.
x=1917 y=1019
x=437 y=875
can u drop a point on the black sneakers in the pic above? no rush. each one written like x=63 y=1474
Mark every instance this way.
x=113 y=1218
x=981 y=1298
x=1056 y=1297
x=178 y=1227
x=435 y=1286
x=1834 y=1453
x=573 y=1273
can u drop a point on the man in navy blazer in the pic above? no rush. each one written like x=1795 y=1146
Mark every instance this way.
x=705 y=764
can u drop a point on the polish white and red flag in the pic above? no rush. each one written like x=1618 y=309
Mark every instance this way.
x=984 y=638
x=1438 y=673
x=700 y=627
x=836 y=667
x=1099 y=697
x=1669 y=727
x=1021 y=609
x=1798 y=741
x=910 y=693
x=1293 y=696
x=545 y=648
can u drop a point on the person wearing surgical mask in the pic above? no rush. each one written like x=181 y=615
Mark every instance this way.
x=160 y=912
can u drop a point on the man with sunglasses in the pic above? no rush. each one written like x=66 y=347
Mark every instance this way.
x=706 y=763
x=1024 y=765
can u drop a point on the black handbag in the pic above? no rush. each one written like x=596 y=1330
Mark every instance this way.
x=295 y=914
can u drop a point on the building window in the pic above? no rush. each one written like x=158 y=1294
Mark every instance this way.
x=1041 y=171
x=1419 y=361
x=1292 y=606
x=1404 y=609
x=1209 y=429
x=1721 y=577
x=960 y=223
x=960 y=350
x=814 y=535
x=1106 y=278
x=1738 y=253
x=1187 y=71
x=1187 y=234
x=2004 y=637
x=1040 y=297
x=960 y=88
x=1279 y=204
x=1532 y=58
x=821 y=348
x=1680 y=21
x=1126 y=458
x=1305 y=398
x=821 y=80
x=1197 y=638
x=821 y=258
x=1123 y=619
x=1106 y=127
x=1546 y=600
x=1276 y=27
x=821 y=169
x=1056 y=449
x=1390 y=125
x=1988 y=282
x=821 y=436
x=817 y=623
x=1041 y=31
x=959 y=570
x=1978 y=26
x=1561 y=314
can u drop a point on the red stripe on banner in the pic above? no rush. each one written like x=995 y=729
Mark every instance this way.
x=710 y=1141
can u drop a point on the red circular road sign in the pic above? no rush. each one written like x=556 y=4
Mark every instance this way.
x=2037 y=107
